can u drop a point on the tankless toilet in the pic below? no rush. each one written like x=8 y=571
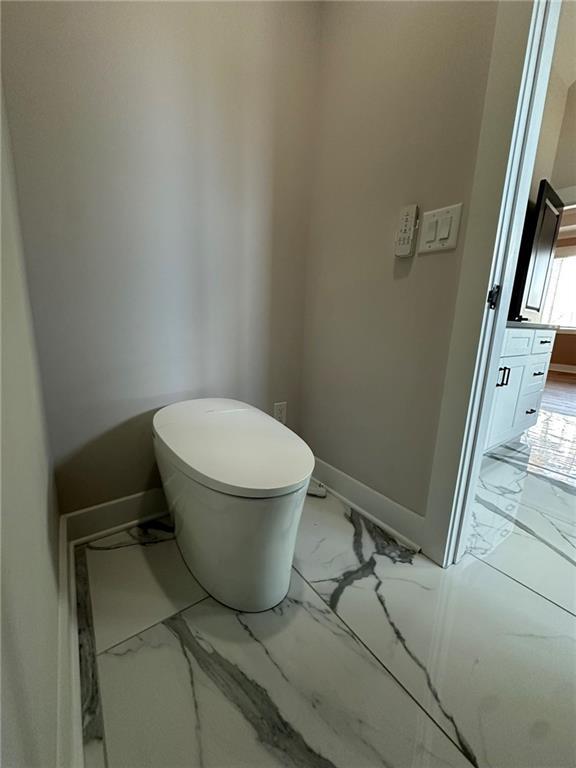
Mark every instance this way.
x=235 y=480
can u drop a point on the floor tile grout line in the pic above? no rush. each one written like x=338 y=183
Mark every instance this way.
x=151 y=626
x=530 y=589
x=524 y=464
x=546 y=474
x=546 y=469
x=534 y=508
x=381 y=663
x=525 y=504
x=561 y=521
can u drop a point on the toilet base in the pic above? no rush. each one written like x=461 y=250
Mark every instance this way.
x=239 y=549
x=226 y=605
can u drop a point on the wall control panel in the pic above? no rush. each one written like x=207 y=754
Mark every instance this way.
x=406 y=235
x=439 y=230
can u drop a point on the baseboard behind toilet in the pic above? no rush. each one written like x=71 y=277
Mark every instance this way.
x=401 y=523
x=112 y=516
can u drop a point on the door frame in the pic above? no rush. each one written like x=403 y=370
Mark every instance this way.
x=523 y=148
x=518 y=75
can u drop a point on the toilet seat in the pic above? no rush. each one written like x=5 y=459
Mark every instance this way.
x=233 y=448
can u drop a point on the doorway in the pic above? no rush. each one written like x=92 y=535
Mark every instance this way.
x=518 y=510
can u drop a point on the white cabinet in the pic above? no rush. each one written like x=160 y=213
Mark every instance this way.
x=517 y=341
x=543 y=342
x=507 y=393
x=521 y=378
x=535 y=373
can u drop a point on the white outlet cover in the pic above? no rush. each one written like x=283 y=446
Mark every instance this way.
x=444 y=224
x=280 y=411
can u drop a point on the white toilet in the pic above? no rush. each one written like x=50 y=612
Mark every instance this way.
x=235 y=480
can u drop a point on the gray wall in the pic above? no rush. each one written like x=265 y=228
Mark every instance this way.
x=556 y=161
x=554 y=109
x=187 y=172
x=402 y=94
x=28 y=521
x=162 y=160
x=564 y=173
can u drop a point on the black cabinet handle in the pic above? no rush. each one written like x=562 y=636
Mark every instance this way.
x=505 y=376
x=530 y=411
x=538 y=373
x=545 y=341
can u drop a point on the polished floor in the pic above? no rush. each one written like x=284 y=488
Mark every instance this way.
x=560 y=393
x=377 y=657
x=524 y=520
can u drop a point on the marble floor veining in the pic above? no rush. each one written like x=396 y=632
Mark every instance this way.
x=524 y=516
x=377 y=657
x=491 y=662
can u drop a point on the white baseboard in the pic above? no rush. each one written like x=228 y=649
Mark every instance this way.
x=562 y=368
x=111 y=516
x=403 y=524
x=75 y=528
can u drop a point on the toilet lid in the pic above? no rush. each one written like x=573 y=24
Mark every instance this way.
x=234 y=448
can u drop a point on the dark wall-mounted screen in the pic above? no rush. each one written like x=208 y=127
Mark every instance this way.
x=541 y=257
x=536 y=252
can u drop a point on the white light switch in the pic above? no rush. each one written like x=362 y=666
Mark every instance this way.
x=440 y=229
x=431 y=231
x=444 y=226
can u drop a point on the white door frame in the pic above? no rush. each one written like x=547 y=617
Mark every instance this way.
x=537 y=65
x=520 y=63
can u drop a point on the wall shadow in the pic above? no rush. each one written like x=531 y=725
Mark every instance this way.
x=124 y=455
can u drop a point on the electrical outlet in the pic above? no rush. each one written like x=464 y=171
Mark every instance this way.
x=280 y=412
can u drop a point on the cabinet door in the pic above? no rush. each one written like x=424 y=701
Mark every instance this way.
x=505 y=400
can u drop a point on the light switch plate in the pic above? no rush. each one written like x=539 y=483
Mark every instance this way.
x=439 y=229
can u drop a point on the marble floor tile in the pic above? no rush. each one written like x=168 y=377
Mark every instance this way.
x=137 y=578
x=524 y=515
x=292 y=687
x=493 y=663
x=528 y=546
x=518 y=454
x=91 y=715
x=508 y=475
x=552 y=442
x=524 y=524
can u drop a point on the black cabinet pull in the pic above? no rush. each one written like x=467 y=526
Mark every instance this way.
x=530 y=411
x=538 y=373
x=505 y=376
x=545 y=341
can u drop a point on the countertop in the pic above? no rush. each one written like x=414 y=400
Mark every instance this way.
x=537 y=326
